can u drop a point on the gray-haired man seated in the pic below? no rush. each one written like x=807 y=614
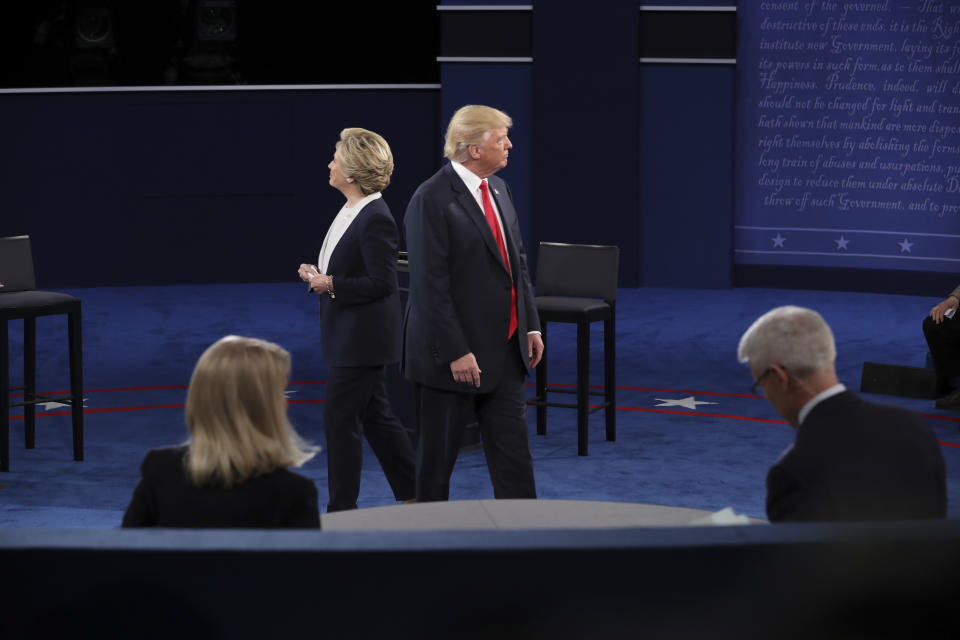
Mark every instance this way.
x=852 y=459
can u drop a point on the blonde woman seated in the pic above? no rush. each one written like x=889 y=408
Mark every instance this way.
x=232 y=471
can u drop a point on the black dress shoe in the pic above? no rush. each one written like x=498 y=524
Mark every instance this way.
x=949 y=401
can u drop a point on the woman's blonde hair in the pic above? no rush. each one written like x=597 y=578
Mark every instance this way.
x=365 y=156
x=237 y=414
x=471 y=124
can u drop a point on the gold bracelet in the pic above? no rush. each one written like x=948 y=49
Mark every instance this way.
x=330 y=286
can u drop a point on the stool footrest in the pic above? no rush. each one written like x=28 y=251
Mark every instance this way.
x=568 y=390
x=68 y=400
x=538 y=402
x=42 y=398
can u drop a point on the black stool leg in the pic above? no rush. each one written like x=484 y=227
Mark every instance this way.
x=4 y=397
x=610 y=377
x=29 y=381
x=542 y=385
x=76 y=381
x=583 y=384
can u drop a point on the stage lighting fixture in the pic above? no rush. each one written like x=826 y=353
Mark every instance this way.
x=93 y=25
x=216 y=20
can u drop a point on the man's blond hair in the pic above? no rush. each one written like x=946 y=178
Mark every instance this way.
x=471 y=124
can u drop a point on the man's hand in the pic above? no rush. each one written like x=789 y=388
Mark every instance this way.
x=937 y=312
x=465 y=369
x=534 y=349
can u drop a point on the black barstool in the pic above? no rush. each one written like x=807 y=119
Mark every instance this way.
x=19 y=300
x=577 y=283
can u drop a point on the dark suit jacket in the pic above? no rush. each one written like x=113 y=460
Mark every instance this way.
x=459 y=285
x=360 y=327
x=165 y=497
x=858 y=460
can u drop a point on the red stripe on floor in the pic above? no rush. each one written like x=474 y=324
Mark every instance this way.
x=658 y=390
x=639 y=409
x=149 y=388
x=702 y=414
x=935 y=417
x=529 y=384
x=160 y=387
x=66 y=412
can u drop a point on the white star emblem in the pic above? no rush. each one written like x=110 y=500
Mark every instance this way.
x=905 y=246
x=47 y=406
x=778 y=241
x=687 y=403
x=842 y=243
x=286 y=394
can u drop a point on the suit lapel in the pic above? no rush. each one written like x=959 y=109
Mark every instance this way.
x=475 y=214
x=507 y=215
x=333 y=265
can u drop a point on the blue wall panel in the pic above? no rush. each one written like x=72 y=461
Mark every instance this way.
x=231 y=186
x=585 y=135
x=686 y=174
x=183 y=187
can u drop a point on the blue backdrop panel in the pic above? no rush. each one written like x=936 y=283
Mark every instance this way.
x=686 y=175
x=849 y=145
x=191 y=187
x=585 y=107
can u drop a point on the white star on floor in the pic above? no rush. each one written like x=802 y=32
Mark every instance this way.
x=905 y=246
x=842 y=243
x=47 y=406
x=778 y=241
x=687 y=403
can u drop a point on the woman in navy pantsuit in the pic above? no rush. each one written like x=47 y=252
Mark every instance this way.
x=356 y=278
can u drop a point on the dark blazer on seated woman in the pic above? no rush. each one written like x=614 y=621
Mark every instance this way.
x=233 y=470
x=165 y=497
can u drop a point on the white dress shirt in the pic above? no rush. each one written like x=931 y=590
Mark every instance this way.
x=337 y=228
x=817 y=399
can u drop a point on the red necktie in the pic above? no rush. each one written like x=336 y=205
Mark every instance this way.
x=495 y=228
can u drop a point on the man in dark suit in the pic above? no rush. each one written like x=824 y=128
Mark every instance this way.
x=471 y=330
x=852 y=460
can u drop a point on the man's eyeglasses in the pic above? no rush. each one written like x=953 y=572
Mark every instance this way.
x=756 y=383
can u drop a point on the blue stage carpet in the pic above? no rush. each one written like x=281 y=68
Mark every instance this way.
x=689 y=433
